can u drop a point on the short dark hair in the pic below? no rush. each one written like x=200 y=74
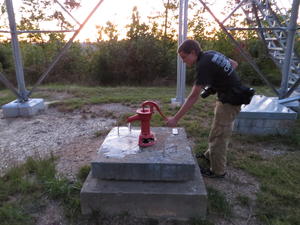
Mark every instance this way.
x=188 y=46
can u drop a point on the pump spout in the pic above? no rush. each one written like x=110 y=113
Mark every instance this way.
x=133 y=118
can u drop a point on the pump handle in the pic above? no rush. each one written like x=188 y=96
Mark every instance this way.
x=155 y=105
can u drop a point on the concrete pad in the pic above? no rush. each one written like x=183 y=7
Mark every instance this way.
x=262 y=107
x=120 y=157
x=146 y=199
x=28 y=108
x=263 y=126
x=264 y=116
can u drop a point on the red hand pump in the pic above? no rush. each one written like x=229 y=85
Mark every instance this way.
x=144 y=114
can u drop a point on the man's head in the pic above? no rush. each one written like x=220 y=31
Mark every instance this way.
x=189 y=51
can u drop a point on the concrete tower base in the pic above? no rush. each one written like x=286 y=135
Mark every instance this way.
x=28 y=108
x=264 y=116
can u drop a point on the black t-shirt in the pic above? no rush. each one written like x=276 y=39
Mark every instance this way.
x=215 y=70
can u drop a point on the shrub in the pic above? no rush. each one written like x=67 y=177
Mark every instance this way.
x=142 y=61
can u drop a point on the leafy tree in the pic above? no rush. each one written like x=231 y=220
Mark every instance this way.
x=168 y=27
x=100 y=31
x=111 y=31
x=32 y=14
x=72 y=4
x=136 y=29
x=36 y=13
x=198 y=25
x=170 y=6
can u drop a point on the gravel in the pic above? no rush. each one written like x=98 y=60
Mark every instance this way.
x=46 y=133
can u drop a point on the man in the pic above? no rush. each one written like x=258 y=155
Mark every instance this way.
x=215 y=74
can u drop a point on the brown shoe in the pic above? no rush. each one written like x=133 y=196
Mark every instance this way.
x=202 y=156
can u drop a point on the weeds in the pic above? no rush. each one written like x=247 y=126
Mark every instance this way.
x=83 y=173
x=14 y=214
x=100 y=133
x=217 y=203
x=23 y=186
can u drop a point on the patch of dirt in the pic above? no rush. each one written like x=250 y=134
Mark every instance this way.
x=107 y=110
x=76 y=154
x=46 y=133
x=262 y=149
x=269 y=152
x=55 y=96
x=236 y=184
x=52 y=215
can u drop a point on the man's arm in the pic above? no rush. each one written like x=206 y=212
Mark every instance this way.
x=233 y=63
x=190 y=101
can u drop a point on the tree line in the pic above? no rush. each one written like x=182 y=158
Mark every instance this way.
x=146 y=56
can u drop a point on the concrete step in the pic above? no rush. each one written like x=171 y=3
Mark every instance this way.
x=120 y=157
x=146 y=199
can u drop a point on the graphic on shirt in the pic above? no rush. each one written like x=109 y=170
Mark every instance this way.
x=223 y=62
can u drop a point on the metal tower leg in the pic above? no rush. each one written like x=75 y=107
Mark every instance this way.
x=181 y=68
x=289 y=49
x=16 y=52
x=25 y=106
x=22 y=106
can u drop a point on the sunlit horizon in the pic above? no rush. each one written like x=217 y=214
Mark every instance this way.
x=119 y=13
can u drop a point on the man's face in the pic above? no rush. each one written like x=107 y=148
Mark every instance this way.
x=189 y=59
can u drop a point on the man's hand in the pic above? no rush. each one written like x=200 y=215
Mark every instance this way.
x=171 y=122
x=233 y=63
x=190 y=101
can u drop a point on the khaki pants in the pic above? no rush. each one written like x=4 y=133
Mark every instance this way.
x=219 y=136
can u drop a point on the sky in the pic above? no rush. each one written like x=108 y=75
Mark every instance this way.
x=119 y=12
x=116 y=11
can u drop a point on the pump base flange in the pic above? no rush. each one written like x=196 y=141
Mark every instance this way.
x=147 y=140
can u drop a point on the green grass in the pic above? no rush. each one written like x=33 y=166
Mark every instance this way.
x=291 y=141
x=6 y=96
x=100 y=133
x=22 y=190
x=125 y=95
x=83 y=173
x=13 y=214
x=278 y=202
x=279 y=199
x=217 y=203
